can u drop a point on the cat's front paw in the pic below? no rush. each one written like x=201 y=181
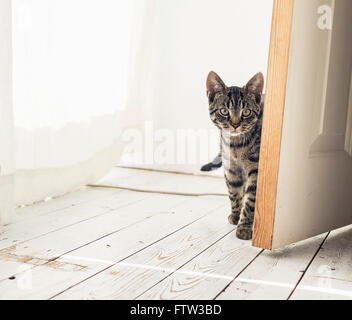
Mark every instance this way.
x=233 y=219
x=244 y=233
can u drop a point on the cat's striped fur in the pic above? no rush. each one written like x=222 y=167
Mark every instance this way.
x=238 y=112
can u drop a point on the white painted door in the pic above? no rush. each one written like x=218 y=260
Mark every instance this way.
x=314 y=193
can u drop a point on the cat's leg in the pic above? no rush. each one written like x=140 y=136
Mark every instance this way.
x=235 y=182
x=245 y=226
x=236 y=204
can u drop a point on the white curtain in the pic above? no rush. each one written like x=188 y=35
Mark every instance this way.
x=73 y=78
x=7 y=166
x=73 y=67
x=87 y=84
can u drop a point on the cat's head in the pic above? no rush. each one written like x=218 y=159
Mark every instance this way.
x=232 y=109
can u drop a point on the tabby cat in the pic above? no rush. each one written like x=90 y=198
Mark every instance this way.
x=238 y=112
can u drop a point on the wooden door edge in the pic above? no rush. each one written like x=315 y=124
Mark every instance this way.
x=272 y=123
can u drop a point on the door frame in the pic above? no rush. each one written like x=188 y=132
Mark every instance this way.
x=275 y=95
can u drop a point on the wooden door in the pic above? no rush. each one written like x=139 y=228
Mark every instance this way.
x=305 y=176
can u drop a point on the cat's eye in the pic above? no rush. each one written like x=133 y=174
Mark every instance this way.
x=224 y=112
x=246 y=113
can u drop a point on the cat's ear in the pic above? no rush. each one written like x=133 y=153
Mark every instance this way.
x=256 y=86
x=214 y=85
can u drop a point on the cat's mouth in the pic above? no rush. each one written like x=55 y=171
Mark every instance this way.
x=233 y=132
x=233 y=128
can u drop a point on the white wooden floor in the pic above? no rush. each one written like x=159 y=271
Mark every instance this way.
x=115 y=244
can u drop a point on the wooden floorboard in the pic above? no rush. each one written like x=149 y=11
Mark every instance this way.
x=34 y=228
x=52 y=277
x=273 y=275
x=133 y=276
x=32 y=221
x=207 y=274
x=330 y=274
x=53 y=244
x=112 y=244
x=52 y=205
x=166 y=182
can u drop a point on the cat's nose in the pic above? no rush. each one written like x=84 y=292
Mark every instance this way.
x=235 y=126
x=235 y=122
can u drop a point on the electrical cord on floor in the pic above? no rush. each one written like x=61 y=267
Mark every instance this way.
x=160 y=192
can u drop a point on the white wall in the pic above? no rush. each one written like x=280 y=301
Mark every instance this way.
x=230 y=37
x=193 y=37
